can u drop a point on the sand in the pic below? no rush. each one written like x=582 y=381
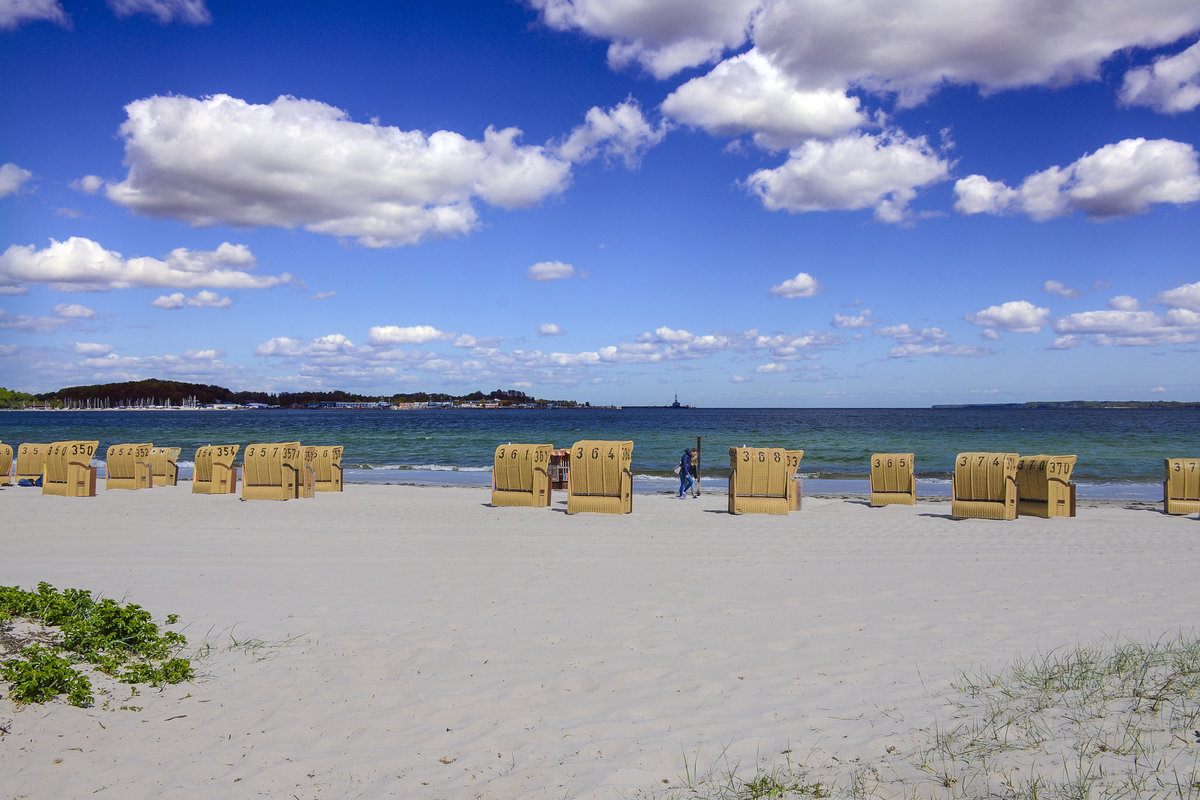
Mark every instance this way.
x=415 y=642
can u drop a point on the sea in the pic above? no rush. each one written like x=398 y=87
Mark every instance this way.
x=1120 y=450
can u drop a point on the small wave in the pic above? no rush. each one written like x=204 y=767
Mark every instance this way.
x=421 y=467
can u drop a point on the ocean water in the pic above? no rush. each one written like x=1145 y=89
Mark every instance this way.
x=1120 y=450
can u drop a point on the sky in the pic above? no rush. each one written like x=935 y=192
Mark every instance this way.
x=745 y=203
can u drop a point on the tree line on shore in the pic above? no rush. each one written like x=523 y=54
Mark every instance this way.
x=177 y=393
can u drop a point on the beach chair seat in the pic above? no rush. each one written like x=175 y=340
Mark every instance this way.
x=759 y=480
x=31 y=461
x=600 y=478
x=1181 y=489
x=520 y=475
x=164 y=465
x=69 y=470
x=274 y=471
x=326 y=465
x=893 y=479
x=795 y=484
x=984 y=486
x=6 y=463
x=127 y=466
x=1044 y=486
x=214 y=472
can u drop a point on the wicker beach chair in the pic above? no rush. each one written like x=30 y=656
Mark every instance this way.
x=1044 y=486
x=984 y=486
x=326 y=464
x=759 y=480
x=893 y=480
x=795 y=485
x=520 y=475
x=274 y=471
x=31 y=461
x=214 y=472
x=6 y=462
x=164 y=465
x=128 y=466
x=600 y=479
x=69 y=470
x=1181 y=489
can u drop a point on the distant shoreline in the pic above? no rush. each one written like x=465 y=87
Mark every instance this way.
x=1075 y=404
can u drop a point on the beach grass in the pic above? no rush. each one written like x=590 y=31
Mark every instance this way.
x=1097 y=722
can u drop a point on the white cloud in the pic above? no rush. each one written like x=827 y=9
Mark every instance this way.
x=663 y=36
x=1018 y=316
x=621 y=132
x=550 y=329
x=912 y=47
x=855 y=172
x=416 y=334
x=88 y=184
x=1186 y=296
x=1118 y=180
x=11 y=178
x=914 y=350
x=749 y=94
x=74 y=311
x=1060 y=289
x=803 y=285
x=739 y=379
x=771 y=369
x=192 y=12
x=1170 y=85
x=15 y=12
x=82 y=265
x=550 y=271
x=1065 y=343
x=862 y=320
x=1124 y=302
x=909 y=335
x=1133 y=328
x=323 y=295
x=169 y=302
x=302 y=163
x=64 y=313
x=91 y=348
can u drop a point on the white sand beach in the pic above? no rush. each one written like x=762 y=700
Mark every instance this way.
x=415 y=642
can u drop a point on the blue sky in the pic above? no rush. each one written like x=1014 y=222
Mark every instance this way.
x=745 y=202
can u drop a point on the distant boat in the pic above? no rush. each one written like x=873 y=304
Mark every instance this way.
x=675 y=405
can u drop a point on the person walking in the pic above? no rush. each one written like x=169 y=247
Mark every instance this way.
x=685 y=474
x=695 y=473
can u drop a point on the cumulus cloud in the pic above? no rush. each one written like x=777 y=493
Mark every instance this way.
x=854 y=322
x=931 y=341
x=749 y=94
x=1170 y=85
x=1060 y=289
x=64 y=314
x=1124 y=302
x=1018 y=316
x=550 y=329
x=1186 y=296
x=1133 y=328
x=82 y=265
x=415 y=334
x=88 y=184
x=1118 y=180
x=193 y=12
x=302 y=163
x=91 y=348
x=771 y=369
x=621 y=132
x=13 y=13
x=663 y=36
x=803 y=285
x=11 y=178
x=202 y=299
x=545 y=271
x=74 y=311
x=882 y=172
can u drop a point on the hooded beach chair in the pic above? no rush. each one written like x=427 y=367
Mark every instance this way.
x=984 y=486
x=893 y=480
x=214 y=472
x=164 y=465
x=274 y=471
x=600 y=479
x=795 y=485
x=6 y=459
x=31 y=461
x=759 y=480
x=1181 y=489
x=69 y=470
x=326 y=465
x=127 y=466
x=1044 y=486
x=520 y=475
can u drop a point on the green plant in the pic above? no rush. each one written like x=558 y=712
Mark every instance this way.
x=43 y=676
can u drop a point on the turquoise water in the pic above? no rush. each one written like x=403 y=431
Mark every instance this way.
x=1121 y=450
